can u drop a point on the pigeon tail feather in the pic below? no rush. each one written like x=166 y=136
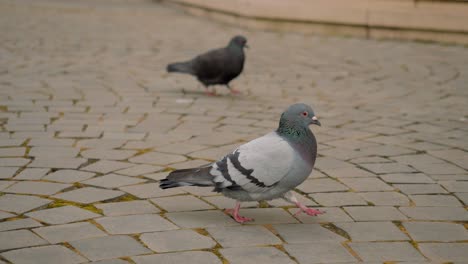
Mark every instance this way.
x=182 y=67
x=188 y=177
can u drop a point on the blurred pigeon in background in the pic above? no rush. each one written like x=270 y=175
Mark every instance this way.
x=266 y=168
x=218 y=66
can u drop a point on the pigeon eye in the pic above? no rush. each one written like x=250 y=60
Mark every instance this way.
x=304 y=114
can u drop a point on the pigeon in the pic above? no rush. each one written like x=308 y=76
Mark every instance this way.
x=265 y=168
x=219 y=66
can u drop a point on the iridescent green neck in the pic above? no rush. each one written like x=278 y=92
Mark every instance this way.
x=291 y=130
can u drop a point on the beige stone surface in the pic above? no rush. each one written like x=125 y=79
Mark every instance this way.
x=443 y=21
x=90 y=122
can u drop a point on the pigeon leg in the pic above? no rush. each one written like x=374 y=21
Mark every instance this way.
x=289 y=196
x=210 y=93
x=233 y=91
x=235 y=214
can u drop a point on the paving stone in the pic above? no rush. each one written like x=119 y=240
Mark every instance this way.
x=18 y=224
x=348 y=172
x=13 y=162
x=62 y=152
x=109 y=112
x=108 y=247
x=108 y=154
x=332 y=214
x=324 y=163
x=113 y=181
x=54 y=254
x=6 y=184
x=449 y=177
x=463 y=197
x=69 y=176
x=268 y=216
x=388 y=168
x=132 y=224
x=19 y=239
x=156 y=176
x=214 y=153
x=429 y=165
x=54 y=162
x=100 y=143
x=306 y=233
x=69 y=232
x=259 y=255
x=241 y=236
x=189 y=164
x=385 y=198
x=11 y=142
x=321 y=185
x=62 y=215
x=339 y=153
x=455 y=186
x=139 y=170
x=127 y=208
x=366 y=184
x=88 y=195
x=435 y=200
x=31 y=174
x=7 y=172
x=420 y=188
x=150 y=190
x=372 y=231
x=157 y=158
x=181 y=203
x=338 y=199
x=5 y=215
x=322 y=252
x=179 y=257
x=200 y=191
x=50 y=142
x=106 y=166
x=435 y=213
x=433 y=231
x=40 y=188
x=445 y=252
x=180 y=148
x=21 y=203
x=386 y=251
x=110 y=261
x=456 y=156
x=201 y=219
x=407 y=178
x=375 y=213
x=176 y=240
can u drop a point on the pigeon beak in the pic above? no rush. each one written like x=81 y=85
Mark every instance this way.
x=315 y=121
x=246 y=46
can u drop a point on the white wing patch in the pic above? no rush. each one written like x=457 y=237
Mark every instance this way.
x=255 y=166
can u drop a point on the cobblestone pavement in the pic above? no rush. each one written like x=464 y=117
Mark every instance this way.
x=90 y=122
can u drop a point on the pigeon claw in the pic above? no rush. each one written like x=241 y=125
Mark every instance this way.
x=235 y=92
x=235 y=215
x=210 y=93
x=310 y=211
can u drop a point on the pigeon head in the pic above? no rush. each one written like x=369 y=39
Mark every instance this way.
x=239 y=41
x=297 y=119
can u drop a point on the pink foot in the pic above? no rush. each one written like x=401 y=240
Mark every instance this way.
x=235 y=92
x=310 y=211
x=307 y=210
x=235 y=214
x=210 y=93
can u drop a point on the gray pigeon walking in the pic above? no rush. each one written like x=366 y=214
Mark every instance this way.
x=219 y=66
x=266 y=168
